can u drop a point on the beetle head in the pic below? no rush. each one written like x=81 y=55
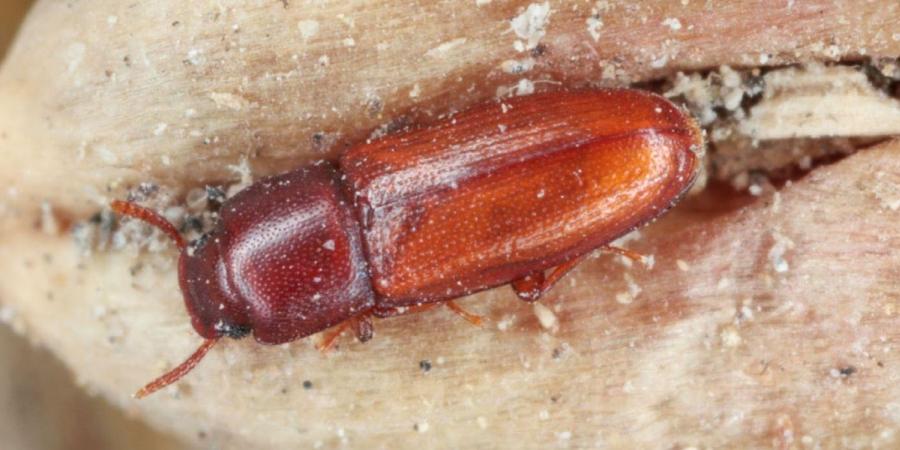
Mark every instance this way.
x=214 y=308
x=214 y=313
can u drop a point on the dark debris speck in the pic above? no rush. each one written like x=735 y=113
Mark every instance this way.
x=425 y=365
x=847 y=371
x=307 y=384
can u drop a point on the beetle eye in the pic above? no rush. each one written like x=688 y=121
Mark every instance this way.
x=232 y=331
x=198 y=243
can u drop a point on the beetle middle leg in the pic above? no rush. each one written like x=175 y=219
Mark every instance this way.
x=472 y=318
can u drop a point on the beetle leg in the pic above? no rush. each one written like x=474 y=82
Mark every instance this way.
x=630 y=254
x=394 y=311
x=531 y=287
x=330 y=336
x=472 y=318
x=362 y=327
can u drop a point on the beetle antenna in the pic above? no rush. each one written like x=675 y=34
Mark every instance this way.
x=148 y=216
x=178 y=372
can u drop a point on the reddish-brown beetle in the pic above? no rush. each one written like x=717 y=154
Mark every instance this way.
x=494 y=195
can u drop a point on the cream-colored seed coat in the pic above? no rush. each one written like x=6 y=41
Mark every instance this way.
x=770 y=325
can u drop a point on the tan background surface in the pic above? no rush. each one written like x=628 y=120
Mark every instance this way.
x=770 y=326
x=41 y=408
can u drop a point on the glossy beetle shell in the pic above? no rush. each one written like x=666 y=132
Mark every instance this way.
x=493 y=195
x=506 y=189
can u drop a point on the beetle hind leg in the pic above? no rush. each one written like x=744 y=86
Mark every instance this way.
x=531 y=287
x=630 y=254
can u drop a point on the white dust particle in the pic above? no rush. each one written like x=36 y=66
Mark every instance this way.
x=422 y=427
x=595 y=21
x=324 y=60
x=348 y=21
x=593 y=27
x=682 y=265
x=329 y=245
x=896 y=37
x=624 y=298
x=99 y=311
x=776 y=253
x=74 y=56
x=442 y=50
x=887 y=193
x=660 y=62
x=107 y=155
x=241 y=169
x=506 y=322
x=541 y=193
x=724 y=283
x=112 y=20
x=7 y=314
x=308 y=28
x=49 y=224
x=544 y=414
x=349 y=42
x=482 y=2
x=564 y=435
x=228 y=100
x=633 y=289
x=776 y=202
x=195 y=56
x=531 y=25
x=672 y=23
x=160 y=128
x=730 y=337
x=755 y=190
x=482 y=422
x=546 y=317
x=415 y=91
x=746 y=312
x=514 y=66
x=524 y=87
